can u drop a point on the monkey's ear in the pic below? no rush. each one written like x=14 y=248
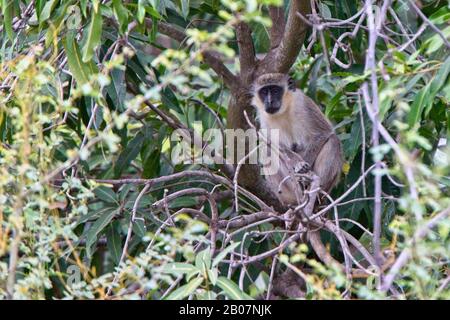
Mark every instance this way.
x=291 y=84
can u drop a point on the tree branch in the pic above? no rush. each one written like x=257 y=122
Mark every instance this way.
x=282 y=58
x=246 y=51
x=278 y=26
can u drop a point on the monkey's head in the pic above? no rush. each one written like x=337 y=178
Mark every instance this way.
x=270 y=91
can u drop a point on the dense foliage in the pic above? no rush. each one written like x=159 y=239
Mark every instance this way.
x=92 y=204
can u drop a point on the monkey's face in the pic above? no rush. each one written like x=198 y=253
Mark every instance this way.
x=271 y=96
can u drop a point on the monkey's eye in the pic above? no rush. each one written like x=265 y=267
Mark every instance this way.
x=263 y=93
x=276 y=90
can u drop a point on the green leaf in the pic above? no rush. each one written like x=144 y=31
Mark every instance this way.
x=440 y=16
x=184 y=291
x=435 y=42
x=418 y=105
x=152 y=165
x=105 y=194
x=324 y=10
x=129 y=154
x=139 y=228
x=94 y=214
x=83 y=5
x=224 y=253
x=98 y=227
x=47 y=10
x=94 y=35
x=212 y=276
x=232 y=290
x=81 y=71
x=185 y=8
x=145 y=201
x=121 y=14
x=116 y=90
x=203 y=260
x=261 y=37
x=207 y=295
x=141 y=11
x=114 y=242
x=179 y=268
x=39 y=5
x=183 y=202
x=351 y=145
x=124 y=192
x=355 y=78
x=425 y=97
x=438 y=82
x=61 y=18
x=8 y=15
x=441 y=76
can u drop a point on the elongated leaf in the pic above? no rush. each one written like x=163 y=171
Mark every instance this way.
x=129 y=153
x=94 y=35
x=116 y=90
x=8 y=13
x=441 y=16
x=203 y=260
x=418 y=105
x=46 y=11
x=105 y=194
x=184 y=291
x=231 y=289
x=141 y=11
x=94 y=214
x=351 y=146
x=183 y=202
x=139 y=228
x=39 y=5
x=121 y=13
x=207 y=295
x=441 y=76
x=224 y=253
x=114 y=242
x=81 y=71
x=213 y=275
x=179 y=268
x=437 y=83
x=435 y=42
x=185 y=8
x=98 y=227
x=152 y=165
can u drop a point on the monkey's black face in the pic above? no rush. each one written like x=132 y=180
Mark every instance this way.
x=271 y=96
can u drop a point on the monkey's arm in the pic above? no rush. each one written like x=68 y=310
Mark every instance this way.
x=328 y=164
x=311 y=151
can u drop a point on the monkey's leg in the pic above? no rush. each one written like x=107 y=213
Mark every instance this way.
x=328 y=164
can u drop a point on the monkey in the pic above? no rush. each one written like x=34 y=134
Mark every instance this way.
x=306 y=137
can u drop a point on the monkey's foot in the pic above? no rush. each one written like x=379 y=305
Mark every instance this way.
x=302 y=167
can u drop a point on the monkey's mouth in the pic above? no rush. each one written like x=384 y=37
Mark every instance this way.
x=272 y=110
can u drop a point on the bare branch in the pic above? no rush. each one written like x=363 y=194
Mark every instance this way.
x=282 y=58
x=278 y=25
x=246 y=51
x=371 y=66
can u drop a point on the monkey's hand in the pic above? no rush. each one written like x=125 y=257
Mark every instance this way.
x=302 y=167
